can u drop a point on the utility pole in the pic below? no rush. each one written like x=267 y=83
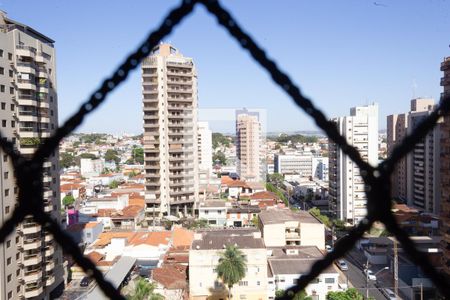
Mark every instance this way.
x=395 y=268
x=421 y=291
x=367 y=279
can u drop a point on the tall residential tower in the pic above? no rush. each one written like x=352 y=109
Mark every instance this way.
x=30 y=260
x=169 y=87
x=346 y=186
x=249 y=146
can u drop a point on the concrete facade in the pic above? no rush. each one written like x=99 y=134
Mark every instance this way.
x=30 y=260
x=169 y=86
x=347 y=190
x=204 y=147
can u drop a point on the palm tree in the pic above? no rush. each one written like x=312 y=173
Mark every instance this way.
x=231 y=267
x=144 y=290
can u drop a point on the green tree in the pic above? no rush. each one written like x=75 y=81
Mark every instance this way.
x=144 y=290
x=271 y=188
x=114 y=184
x=276 y=179
x=112 y=155
x=138 y=155
x=87 y=155
x=68 y=200
x=231 y=267
x=339 y=224
x=349 y=294
x=299 y=296
x=324 y=219
x=255 y=221
x=220 y=157
x=219 y=139
x=66 y=160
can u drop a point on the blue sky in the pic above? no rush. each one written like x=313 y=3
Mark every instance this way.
x=341 y=53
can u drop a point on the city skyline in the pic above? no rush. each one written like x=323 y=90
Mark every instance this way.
x=372 y=74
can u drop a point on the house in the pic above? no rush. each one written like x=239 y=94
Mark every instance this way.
x=85 y=233
x=204 y=257
x=241 y=215
x=214 y=211
x=281 y=227
x=287 y=264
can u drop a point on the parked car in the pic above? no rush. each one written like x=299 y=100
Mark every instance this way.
x=85 y=281
x=328 y=248
x=370 y=275
x=342 y=265
x=389 y=294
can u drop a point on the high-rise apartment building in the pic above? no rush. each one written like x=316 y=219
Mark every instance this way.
x=249 y=146
x=445 y=173
x=169 y=87
x=396 y=131
x=423 y=162
x=416 y=177
x=299 y=164
x=204 y=147
x=30 y=260
x=346 y=186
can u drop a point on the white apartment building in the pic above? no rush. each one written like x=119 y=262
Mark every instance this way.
x=423 y=163
x=169 y=84
x=290 y=164
x=204 y=257
x=91 y=167
x=320 y=168
x=249 y=146
x=204 y=147
x=287 y=264
x=214 y=211
x=346 y=186
x=30 y=260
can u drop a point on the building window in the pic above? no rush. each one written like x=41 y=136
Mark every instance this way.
x=17 y=239
x=1 y=52
x=11 y=90
x=3 y=123
x=8 y=261
x=13 y=107
x=9 y=293
x=17 y=258
x=243 y=283
x=15 y=190
x=13 y=124
x=9 y=55
x=6 y=192
x=11 y=73
x=2 y=88
x=18 y=287
x=8 y=244
x=2 y=71
x=5 y=157
x=17 y=274
x=329 y=280
x=9 y=279
x=3 y=105
x=5 y=175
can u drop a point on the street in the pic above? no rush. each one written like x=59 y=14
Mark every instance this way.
x=357 y=278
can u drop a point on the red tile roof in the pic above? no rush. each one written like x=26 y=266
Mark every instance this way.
x=182 y=237
x=264 y=195
x=172 y=277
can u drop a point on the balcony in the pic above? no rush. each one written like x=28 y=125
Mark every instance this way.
x=292 y=236
x=44 y=105
x=33 y=291
x=31 y=244
x=26 y=84
x=27 y=68
x=32 y=276
x=31 y=259
x=445 y=65
x=48 y=237
x=179 y=99
x=48 y=208
x=50 y=280
x=25 y=51
x=42 y=88
x=47 y=179
x=178 y=73
x=31 y=228
x=27 y=100
x=49 y=251
x=49 y=266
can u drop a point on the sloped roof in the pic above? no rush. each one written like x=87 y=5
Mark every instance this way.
x=171 y=276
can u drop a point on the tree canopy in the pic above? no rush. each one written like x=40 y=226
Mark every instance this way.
x=138 y=155
x=231 y=267
x=349 y=294
x=219 y=157
x=66 y=160
x=219 y=139
x=144 y=290
x=112 y=155
x=322 y=218
x=296 y=138
x=68 y=200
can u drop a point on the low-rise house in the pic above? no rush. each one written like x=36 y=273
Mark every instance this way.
x=241 y=215
x=287 y=264
x=204 y=257
x=214 y=211
x=281 y=227
x=85 y=233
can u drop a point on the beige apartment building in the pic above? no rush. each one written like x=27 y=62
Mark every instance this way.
x=416 y=177
x=30 y=260
x=445 y=173
x=169 y=88
x=281 y=227
x=249 y=146
x=204 y=257
x=396 y=130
